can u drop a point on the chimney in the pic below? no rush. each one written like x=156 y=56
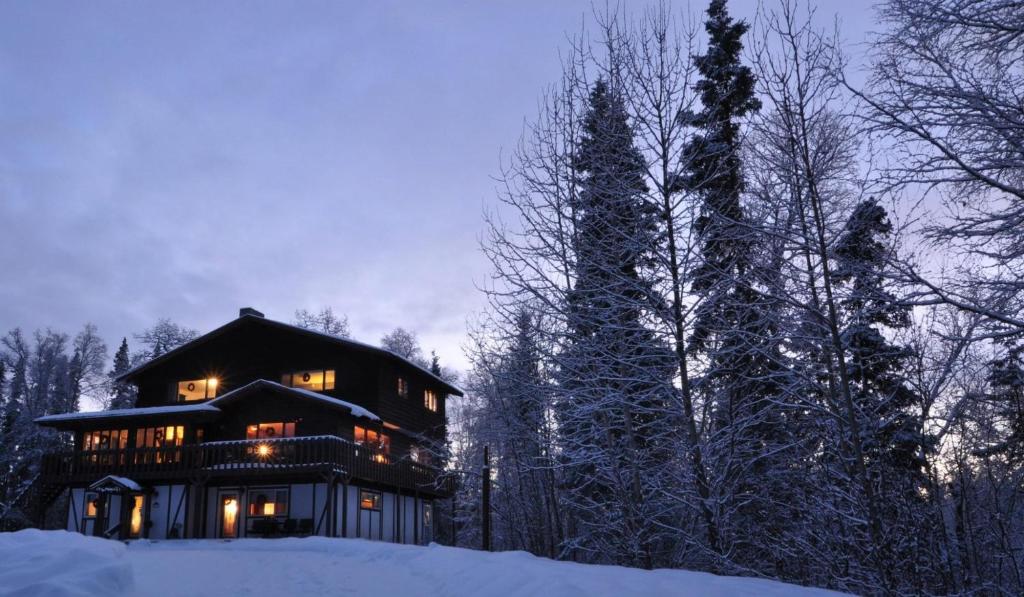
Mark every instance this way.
x=249 y=311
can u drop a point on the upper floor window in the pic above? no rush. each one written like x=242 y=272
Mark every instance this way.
x=269 y=430
x=403 y=388
x=369 y=437
x=316 y=380
x=116 y=439
x=419 y=455
x=430 y=400
x=197 y=389
x=160 y=437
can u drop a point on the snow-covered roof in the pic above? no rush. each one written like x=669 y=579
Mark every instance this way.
x=129 y=412
x=354 y=409
x=281 y=325
x=122 y=482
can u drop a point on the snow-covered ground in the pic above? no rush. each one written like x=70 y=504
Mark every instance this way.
x=58 y=563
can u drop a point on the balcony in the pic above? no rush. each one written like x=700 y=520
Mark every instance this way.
x=231 y=460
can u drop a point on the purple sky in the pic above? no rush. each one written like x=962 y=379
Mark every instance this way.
x=184 y=159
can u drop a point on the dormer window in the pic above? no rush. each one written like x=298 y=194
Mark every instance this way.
x=430 y=400
x=317 y=380
x=197 y=389
x=403 y=388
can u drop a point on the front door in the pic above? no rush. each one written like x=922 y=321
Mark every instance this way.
x=228 y=514
x=136 y=503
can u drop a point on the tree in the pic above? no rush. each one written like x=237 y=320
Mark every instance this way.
x=324 y=321
x=121 y=394
x=163 y=337
x=405 y=344
x=615 y=375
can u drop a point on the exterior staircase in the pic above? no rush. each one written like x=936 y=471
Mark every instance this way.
x=28 y=508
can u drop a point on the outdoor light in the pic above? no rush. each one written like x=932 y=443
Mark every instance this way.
x=263 y=450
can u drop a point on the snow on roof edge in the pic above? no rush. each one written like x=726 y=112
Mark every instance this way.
x=127 y=412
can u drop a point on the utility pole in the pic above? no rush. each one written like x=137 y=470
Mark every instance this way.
x=485 y=512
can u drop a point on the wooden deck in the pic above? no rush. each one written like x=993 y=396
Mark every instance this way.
x=270 y=458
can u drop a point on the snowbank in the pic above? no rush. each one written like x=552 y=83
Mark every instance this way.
x=62 y=564
x=322 y=567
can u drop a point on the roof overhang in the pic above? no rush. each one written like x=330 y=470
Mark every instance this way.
x=265 y=386
x=137 y=416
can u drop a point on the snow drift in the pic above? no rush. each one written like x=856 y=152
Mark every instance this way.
x=57 y=563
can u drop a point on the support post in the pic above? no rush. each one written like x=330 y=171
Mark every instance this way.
x=485 y=510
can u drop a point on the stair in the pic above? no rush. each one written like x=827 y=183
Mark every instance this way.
x=28 y=508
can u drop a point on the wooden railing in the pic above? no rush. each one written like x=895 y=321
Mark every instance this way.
x=245 y=458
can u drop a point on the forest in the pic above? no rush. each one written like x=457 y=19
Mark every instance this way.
x=756 y=309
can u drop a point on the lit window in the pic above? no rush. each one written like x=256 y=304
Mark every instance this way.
x=318 y=380
x=197 y=389
x=403 y=387
x=268 y=502
x=92 y=506
x=369 y=500
x=430 y=400
x=269 y=430
x=160 y=437
x=372 y=439
x=116 y=439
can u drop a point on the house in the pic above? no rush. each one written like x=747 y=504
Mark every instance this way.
x=260 y=429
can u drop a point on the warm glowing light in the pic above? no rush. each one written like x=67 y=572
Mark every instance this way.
x=211 y=383
x=263 y=450
x=268 y=509
x=136 y=521
x=230 y=516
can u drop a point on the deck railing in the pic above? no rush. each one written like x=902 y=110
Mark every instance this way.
x=268 y=457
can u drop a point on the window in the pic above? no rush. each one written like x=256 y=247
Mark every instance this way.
x=269 y=430
x=92 y=505
x=403 y=388
x=317 y=380
x=430 y=400
x=160 y=437
x=268 y=502
x=116 y=439
x=369 y=500
x=170 y=436
x=428 y=515
x=419 y=455
x=197 y=389
x=372 y=439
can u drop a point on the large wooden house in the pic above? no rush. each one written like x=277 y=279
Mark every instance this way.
x=260 y=429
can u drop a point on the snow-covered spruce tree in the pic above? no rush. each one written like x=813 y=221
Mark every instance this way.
x=736 y=326
x=893 y=439
x=615 y=434
x=1006 y=378
x=121 y=394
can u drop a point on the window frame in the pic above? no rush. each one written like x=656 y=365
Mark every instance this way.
x=209 y=390
x=430 y=400
x=328 y=379
x=277 y=491
x=377 y=502
x=402 y=387
x=286 y=426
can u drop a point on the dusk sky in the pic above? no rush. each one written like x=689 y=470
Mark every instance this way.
x=185 y=159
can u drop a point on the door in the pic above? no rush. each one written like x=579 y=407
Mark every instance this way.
x=228 y=515
x=137 y=503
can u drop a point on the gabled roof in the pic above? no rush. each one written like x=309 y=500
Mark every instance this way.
x=250 y=319
x=262 y=384
x=113 y=483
